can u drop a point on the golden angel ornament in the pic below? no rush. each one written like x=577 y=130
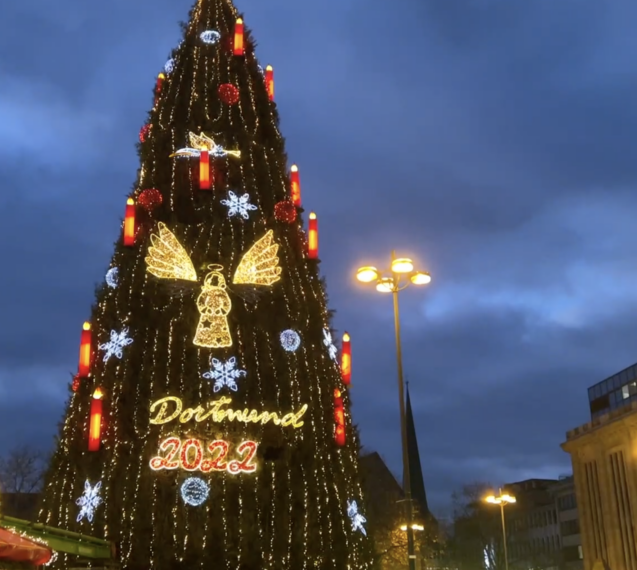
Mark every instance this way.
x=167 y=259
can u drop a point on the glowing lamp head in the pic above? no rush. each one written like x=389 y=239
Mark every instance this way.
x=385 y=285
x=420 y=278
x=86 y=326
x=130 y=202
x=345 y=337
x=402 y=265
x=367 y=274
x=98 y=394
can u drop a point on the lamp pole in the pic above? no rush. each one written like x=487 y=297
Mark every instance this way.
x=392 y=282
x=403 y=429
x=502 y=500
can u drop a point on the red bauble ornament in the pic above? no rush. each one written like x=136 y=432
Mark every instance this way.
x=228 y=93
x=285 y=211
x=149 y=199
x=143 y=133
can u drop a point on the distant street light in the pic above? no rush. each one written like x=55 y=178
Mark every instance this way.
x=399 y=276
x=502 y=500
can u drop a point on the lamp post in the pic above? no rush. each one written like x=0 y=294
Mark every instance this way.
x=399 y=276
x=502 y=500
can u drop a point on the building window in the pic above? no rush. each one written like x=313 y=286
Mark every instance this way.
x=568 y=528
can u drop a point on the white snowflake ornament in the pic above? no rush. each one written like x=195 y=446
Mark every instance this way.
x=224 y=374
x=329 y=343
x=238 y=205
x=116 y=345
x=89 y=501
x=357 y=519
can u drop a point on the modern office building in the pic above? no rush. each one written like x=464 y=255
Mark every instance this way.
x=614 y=392
x=604 y=457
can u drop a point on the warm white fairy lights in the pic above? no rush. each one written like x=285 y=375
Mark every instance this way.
x=162 y=354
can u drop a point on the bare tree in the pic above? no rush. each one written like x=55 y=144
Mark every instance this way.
x=22 y=470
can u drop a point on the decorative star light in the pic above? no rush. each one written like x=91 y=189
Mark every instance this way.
x=327 y=341
x=238 y=205
x=210 y=37
x=89 y=501
x=356 y=518
x=194 y=491
x=116 y=345
x=290 y=340
x=204 y=142
x=261 y=70
x=224 y=374
x=112 y=276
x=169 y=66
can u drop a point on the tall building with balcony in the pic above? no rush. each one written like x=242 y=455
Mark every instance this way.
x=603 y=453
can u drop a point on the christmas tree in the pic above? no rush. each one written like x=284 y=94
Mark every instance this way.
x=208 y=424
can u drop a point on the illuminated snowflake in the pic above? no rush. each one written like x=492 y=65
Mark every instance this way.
x=112 y=276
x=356 y=518
x=169 y=66
x=224 y=374
x=238 y=205
x=210 y=36
x=329 y=343
x=89 y=501
x=116 y=345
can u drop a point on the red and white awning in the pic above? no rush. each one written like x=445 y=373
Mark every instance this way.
x=19 y=549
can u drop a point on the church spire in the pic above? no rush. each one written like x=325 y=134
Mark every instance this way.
x=415 y=469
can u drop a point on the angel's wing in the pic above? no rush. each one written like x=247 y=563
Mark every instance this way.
x=167 y=259
x=260 y=264
x=201 y=141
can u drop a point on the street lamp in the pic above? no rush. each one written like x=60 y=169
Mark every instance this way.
x=502 y=500
x=399 y=276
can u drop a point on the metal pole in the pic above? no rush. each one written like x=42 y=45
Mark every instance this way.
x=403 y=426
x=504 y=537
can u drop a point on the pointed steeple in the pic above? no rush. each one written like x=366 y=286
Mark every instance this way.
x=415 y=470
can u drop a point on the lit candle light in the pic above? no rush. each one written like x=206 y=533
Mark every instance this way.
x=312 y=239
x=269 y=81
x=84 y=367
x=346 y=360
x=95 y=423
x=129 y=223
x=239 y=47
x=204 y=170
x=295 y=185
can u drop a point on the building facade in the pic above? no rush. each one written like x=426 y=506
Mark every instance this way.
x=605 y=470
x=571 y=554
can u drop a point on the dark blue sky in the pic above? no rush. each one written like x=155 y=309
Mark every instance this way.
x=492 y=140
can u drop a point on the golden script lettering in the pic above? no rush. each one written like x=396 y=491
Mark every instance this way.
x=163 y=416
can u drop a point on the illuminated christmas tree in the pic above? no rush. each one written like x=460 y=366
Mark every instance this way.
x=208 y=424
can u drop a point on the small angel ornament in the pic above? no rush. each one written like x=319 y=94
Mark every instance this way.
x=167 y=259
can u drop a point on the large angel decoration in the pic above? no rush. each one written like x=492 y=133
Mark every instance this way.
x=167 y=259
x=202 y=142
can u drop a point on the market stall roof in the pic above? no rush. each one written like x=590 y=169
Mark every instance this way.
x=19 y=549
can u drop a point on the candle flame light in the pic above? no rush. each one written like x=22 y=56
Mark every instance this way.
x=129 y=223
x=295 y=183
x=312 y=241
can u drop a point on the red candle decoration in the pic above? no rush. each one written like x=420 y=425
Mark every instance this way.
x=85 y=351
x=158 y=86
x=285 y=211
x=129 y=223
x=204 y=170
x=339 y=419
x=239 y=46
x=346 y=360
x=312 y=238
x=95 y=423
x=269 y=81
x=295 y=183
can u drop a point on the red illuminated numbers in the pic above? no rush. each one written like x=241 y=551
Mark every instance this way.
x=191 y=456
x=249 y=448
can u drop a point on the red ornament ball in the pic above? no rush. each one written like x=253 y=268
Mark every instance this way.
x=285 y=211
x=149 y=199
x=228 y=93
x=143 y=133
